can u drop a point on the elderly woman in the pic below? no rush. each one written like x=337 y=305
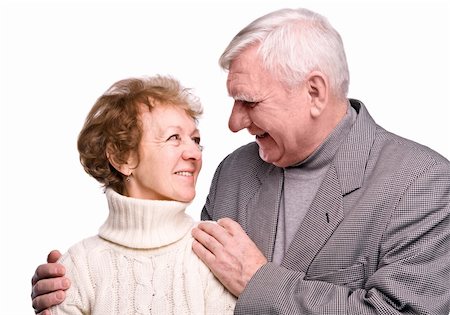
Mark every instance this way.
x=141 y=142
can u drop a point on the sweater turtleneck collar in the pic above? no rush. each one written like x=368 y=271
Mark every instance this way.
x=141 y=223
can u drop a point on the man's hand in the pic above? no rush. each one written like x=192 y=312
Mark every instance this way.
x=230 y=254
x=48 y=284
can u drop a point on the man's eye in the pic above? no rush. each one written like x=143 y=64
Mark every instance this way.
x=174 y=137
x=249 y=104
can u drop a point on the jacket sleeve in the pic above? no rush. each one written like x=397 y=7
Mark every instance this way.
x=413 y=273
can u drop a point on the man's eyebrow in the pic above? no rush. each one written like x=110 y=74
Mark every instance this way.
x=243 y=97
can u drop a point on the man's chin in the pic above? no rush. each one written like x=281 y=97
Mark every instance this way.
x=278 y=161
x=266 y=157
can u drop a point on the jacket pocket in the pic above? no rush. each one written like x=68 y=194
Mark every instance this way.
x=352 y=277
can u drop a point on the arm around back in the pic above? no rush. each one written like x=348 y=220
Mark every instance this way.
x=48 y=283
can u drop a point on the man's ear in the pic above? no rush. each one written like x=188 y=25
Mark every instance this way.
x=318 y=89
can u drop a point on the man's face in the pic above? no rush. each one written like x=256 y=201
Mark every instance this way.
x=278 y=117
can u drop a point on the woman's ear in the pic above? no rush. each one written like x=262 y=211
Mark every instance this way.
x=123 y=167
x=318 y=89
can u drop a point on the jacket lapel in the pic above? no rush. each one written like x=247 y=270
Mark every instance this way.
x=262 y=210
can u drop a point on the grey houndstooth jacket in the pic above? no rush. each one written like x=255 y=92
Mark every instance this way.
x=376 y=239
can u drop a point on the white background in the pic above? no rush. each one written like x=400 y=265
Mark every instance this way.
x=58 y=57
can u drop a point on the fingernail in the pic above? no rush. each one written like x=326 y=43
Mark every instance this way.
x=65 y=283
x=59 y=295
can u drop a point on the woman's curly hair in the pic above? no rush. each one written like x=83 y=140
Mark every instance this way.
x=113 y=126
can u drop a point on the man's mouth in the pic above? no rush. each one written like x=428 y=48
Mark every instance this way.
x=263 y=135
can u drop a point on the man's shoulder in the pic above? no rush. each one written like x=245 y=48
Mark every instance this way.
x=407 y=149
x=386 y=143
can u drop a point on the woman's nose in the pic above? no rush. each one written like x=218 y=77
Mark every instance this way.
x=192 y=150
x=239 y=118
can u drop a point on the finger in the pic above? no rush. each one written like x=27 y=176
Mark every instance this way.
x=230 y=226
x=53 y=256
x=214 y=230
x=208 y=241
x=43 y=302
x=49 y=270
x=45 y=286
x=204 y=254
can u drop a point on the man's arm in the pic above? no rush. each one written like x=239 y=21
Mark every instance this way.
x=412 y=274
x=49 y=284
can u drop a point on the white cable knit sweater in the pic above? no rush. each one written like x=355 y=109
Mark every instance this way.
x=141 y=263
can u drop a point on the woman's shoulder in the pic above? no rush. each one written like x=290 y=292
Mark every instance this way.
x=83 y=248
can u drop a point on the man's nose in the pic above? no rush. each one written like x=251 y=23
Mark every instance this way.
x=239 y=118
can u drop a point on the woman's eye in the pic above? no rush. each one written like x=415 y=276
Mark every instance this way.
x=196 y=140
x=174 y=137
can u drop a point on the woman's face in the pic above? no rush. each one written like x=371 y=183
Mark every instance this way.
x=170 y=156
